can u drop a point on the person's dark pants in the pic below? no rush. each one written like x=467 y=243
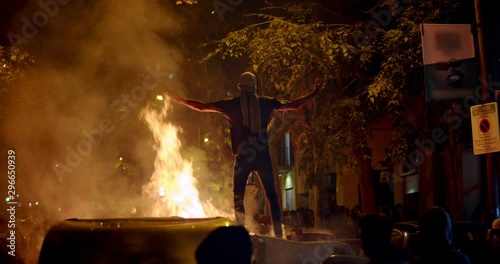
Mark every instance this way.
x=259 y=161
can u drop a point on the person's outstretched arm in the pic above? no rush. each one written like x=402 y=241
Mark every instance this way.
x=294 y=105
x=194 y=104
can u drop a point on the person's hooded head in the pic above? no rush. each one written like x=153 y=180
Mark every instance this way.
x=247 y=83
x=375 y=233
x=225 y=245
x=250 y=108
x=436 y=229
x=494 y=234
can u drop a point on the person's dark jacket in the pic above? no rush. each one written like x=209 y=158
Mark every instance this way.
x=435 y=240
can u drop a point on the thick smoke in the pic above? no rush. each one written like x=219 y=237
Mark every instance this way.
x=81 y=149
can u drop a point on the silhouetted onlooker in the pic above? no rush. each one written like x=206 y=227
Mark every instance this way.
x=492 y=250
x=398 y=213
x=293 y=219
x=296 y=234
x=375 y=233
x=311 y=218
x=435 y=240
x=225 y=245
x=355 y=215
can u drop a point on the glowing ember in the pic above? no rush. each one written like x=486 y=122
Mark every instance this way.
x=172 y=186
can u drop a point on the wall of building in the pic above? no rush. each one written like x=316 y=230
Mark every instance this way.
x=347 y=188
x=471 y=167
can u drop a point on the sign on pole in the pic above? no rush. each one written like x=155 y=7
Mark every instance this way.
x=485 y=131
x=449 y=61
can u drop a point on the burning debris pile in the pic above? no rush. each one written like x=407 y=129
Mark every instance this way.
x=172 y=188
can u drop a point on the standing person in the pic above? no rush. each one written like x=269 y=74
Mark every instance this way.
x=248 y=115
x=492 y=247
x=225 y=245
x=436 y=232
x=375 y=232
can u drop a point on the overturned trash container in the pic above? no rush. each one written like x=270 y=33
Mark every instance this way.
x=127 y=240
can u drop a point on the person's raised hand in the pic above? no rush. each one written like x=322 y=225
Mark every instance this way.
x=173 y=96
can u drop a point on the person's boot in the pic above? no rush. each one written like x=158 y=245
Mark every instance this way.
x=278 y=231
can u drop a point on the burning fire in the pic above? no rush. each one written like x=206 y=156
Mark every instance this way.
x=172 y=186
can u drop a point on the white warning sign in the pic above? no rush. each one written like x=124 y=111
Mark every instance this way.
x=485 y=131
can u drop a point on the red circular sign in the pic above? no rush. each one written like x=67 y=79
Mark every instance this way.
x=484 y=125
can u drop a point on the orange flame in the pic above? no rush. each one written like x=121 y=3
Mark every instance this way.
x=172 y=186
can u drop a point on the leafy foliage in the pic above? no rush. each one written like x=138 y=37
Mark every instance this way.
x=400 y=74
x=189 y=2
x=14 y=64
x=287 y=55
x=372 y=68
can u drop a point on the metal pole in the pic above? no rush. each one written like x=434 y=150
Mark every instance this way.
x=492 y=201
x=496 y=185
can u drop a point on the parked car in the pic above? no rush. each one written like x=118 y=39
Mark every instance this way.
x=317 y=234
x=268 y=249
x=309 y=234
x=324 y=234
x=467 y=237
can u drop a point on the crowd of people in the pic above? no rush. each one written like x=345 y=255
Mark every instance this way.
x=374 y=230
x=343 y=221
x=434 y=245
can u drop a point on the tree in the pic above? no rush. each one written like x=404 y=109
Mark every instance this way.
x=398 y=88
x=373 y=68
x=288 y=54
x=14 y=64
